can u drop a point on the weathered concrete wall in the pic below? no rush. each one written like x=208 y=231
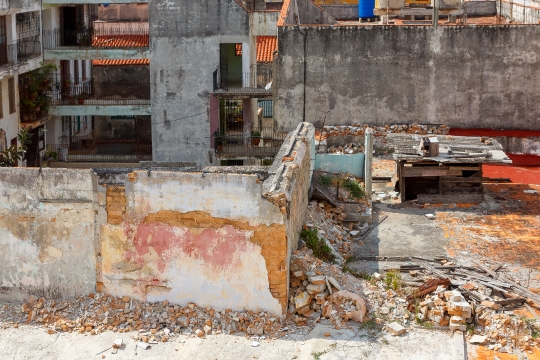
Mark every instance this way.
x=123 y=12
x=263 y=23
x=462 y=76
x=216 y=236
x=342 y=11
x=47 y=243
x=181 y=70
x=480 y=8
x=342 y=163
x=124 y=81
x=288 y=188
x=522 y=11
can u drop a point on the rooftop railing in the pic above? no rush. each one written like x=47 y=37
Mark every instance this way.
x=96 y=150
x=242 y=145
x=90 y=92
x=17 y=54
x=252 y=82
x=59 y=39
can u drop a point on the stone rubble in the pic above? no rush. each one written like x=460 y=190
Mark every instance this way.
x=359 y=129
x=350 y=148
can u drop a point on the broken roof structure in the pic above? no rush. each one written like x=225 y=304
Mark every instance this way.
x=443 y=168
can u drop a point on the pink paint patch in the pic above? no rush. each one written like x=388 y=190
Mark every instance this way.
x=216 y=247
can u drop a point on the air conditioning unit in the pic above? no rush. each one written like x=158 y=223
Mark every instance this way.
x=22 y=18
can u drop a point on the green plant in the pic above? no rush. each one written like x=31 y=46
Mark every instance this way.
x=33 y=89
x=326 y=180
x=392 y=280
x=9 y=156
x=535 y=334
x=356 y=274
x=319 y=246
x=317 y=354
x=354 y=188
x=267 y=162
x=51 y=154
x=255 y=134
x=85 y=34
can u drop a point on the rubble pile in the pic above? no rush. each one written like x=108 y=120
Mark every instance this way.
x=359 y=129
x=479 y=301
x=154 y=322
x=320 y=290
x=350 y=148
x=329 y=220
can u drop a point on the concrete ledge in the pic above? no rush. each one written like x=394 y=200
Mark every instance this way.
x=94 y=2
x=96 y=53
x=101 y=110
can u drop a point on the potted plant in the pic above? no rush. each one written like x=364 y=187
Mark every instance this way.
x=80 y=99
x=85 y=34
x=219 y=143
x=255 y=138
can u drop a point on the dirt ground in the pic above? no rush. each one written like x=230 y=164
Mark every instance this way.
x=28 y=342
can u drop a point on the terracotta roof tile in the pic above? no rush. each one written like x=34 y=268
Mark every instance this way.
x=266 y=45
x=117 y=40
x=121 y=62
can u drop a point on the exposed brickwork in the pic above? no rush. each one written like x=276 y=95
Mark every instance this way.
x=116 y=204
x=272 y=240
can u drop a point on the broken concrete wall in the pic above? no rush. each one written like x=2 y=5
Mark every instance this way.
x=462 y=76
x=47 y=243
x=288 y=186
x=204 y=237
x=216 y=236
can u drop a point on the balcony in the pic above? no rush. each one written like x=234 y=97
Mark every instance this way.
x=89 y=97
x=255 y=84
x=20 y=56
x=101 y=150
x=242 y=146
x=60 y=44
x=81 y=2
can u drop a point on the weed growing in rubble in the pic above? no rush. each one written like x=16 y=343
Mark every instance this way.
x=354 y=188
x=317 y=354
x=356 y=274
x=391 y=280
x=326 y=180
x=319 y=247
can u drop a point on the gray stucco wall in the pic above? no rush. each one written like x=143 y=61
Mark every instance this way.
x=462 y=76
x=126 y=81
x=184 y=53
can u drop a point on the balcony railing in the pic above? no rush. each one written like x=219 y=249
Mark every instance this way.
x=17 y=54
x=60 y=39
x=101 y=150
x=252 y=82
x=246 y=146
x=90 y=92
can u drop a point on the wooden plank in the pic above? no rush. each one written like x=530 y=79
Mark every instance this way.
x=465 y=198
x=415 y=172
x=461 y=180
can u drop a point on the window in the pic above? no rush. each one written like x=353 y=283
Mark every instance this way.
x=76 y=70
x=11 y=92
x=83 y=66
x=3 y=41
x=238 y=50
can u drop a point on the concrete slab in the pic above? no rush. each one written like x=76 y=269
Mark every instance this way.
x=34 y=343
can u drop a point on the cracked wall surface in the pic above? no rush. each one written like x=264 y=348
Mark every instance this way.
x=216 y=236
x=47 y=243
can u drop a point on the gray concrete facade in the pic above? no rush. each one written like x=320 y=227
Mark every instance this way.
x=462 y=76
x=184 y=54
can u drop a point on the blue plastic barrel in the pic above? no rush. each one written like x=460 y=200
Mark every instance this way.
x=365 y=9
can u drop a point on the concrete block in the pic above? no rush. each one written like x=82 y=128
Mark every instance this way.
x=396 y=329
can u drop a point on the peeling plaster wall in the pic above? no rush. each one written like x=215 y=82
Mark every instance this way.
x=216 y=236
x=461 y=76
x=47 y=242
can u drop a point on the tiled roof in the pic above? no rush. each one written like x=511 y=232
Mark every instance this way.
x=121 y=62
x=117 y=40
x=266 y=45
